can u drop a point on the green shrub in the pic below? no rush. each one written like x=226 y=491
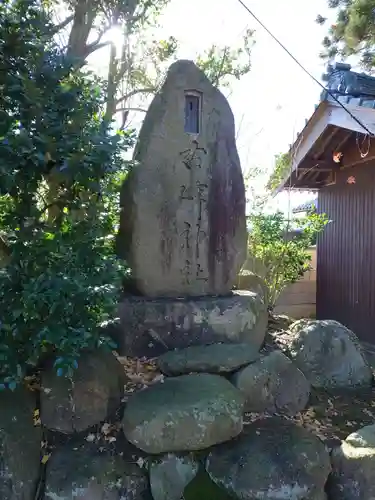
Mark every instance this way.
x=60 y=167
x=283 y=258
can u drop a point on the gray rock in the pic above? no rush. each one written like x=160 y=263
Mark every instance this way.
x=214 y=358
x=273 y=384
x=186 y=413
x=328 y=353
x=298 y=325
x=20 y=444
x=82 y=470
x=182 y=223
x=203 y=488
x=170 y=475
x=353 y=464
x=94 y=393
x=254 y=265
x=275 y=460
x=150 y=327
x=248 y=280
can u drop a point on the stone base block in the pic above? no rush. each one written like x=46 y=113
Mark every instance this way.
x=150 y=327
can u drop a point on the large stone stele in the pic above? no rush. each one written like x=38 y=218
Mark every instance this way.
x=182 y=225
x=151 y=327
x=186 y=413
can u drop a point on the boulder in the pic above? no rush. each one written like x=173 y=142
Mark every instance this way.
x=83 y=470
x=203 y=488
x=328 y=353
x=298 y=325
x=170 y=475
x=278 y=322
x=214 y=358
x=182 y=220
x=254 y=265
x=186 y=413
x=248 y=280
x=94 y=393
x=353 y=464
x=20 y=447
x=275 y=459
x=273 y=384
x=151 y=327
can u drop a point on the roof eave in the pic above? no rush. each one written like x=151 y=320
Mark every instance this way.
x=314 y=118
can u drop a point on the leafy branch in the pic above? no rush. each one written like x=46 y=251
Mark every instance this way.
x=282 y=167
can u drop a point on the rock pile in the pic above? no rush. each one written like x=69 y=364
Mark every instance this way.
x=184 y=436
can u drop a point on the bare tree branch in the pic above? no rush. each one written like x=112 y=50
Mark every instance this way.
x=125 y=115
x=138 y=17
x=63 y=24
x=111 y=85
x=141 y=110
x=93 y=48
x=126 y=62
x=220 y=73
x=147 y=90
x=99 y=37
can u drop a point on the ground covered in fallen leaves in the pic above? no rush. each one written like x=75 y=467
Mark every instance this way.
x=333 y=417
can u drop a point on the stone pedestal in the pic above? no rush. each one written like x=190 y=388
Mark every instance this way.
x=151 y=327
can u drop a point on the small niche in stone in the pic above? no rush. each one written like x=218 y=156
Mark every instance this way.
x=183 y=227
x=192 y=112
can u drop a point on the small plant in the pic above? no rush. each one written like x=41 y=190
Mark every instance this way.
x=284 y=258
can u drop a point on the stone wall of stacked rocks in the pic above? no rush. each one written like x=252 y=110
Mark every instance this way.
x=184 y=435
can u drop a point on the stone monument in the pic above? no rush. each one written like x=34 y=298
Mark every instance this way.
x=182 y=223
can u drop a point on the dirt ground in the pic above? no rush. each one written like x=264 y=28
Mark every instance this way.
x=334 y=417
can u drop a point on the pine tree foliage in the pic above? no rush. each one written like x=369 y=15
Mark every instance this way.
x=353 y=32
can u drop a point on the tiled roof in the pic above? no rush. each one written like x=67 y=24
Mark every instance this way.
x=349 y=87
x=304 y=207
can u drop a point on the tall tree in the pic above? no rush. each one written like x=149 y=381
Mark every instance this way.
x=352 y=33
x=136 y=66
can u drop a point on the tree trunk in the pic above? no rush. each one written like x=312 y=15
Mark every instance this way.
x=112 y=85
